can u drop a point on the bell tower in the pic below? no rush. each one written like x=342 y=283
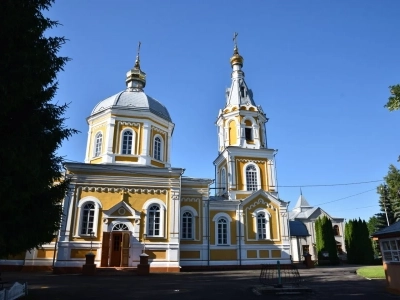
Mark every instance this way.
x=245 y=163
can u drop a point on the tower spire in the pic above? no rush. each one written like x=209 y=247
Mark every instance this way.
x=236 y=59
x=136 y=78
x=137 y=61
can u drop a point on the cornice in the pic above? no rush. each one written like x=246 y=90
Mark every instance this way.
x=104 y=189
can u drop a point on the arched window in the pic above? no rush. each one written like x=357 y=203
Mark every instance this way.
x=248 y=131
x=187 y=225
x=153 y=221
x=336 y=230
x=120 y=227
x=223 y=181
x=97 y=144
x=88 y=210
x=251 y=178
x=222 y=231
x=158 y=148
x=88 y=218
x=261 y=226
x=127 y=139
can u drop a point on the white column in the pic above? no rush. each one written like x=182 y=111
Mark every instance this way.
x=145 y=139
x=109 y=156
x=87 y=157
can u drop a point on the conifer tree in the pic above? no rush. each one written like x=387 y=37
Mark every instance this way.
x=325 y=239
x=32 y=127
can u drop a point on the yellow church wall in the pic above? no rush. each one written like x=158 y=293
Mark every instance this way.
x=163 y=134
x=126 y=158
x=45 y=253
x=190 y=254
x=109 y=199
x=276 y=253
x=157 y=164
x=264 y=253
x=251 y=253
x=195 y=203
x=250 y=225
x=223 y=254
x=92 y=139
x=80 y=253
x=96 y=160
x=118 y=128
x=240 y=170
x=232 y=133
x=156 y=254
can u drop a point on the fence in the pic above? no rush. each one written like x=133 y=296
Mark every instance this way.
x=280 y=275
x=14 y=292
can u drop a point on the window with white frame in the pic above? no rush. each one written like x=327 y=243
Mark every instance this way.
x=97 y=144
x=261 y=225
x=187 y=225
x=120 y=227
x=390 y=249
x=223 y=181
x=127 y=141
x=88 y=209
x=222 y=229
x=158 y=148
x=87 y=218
x=251 y=178
x=154 y=221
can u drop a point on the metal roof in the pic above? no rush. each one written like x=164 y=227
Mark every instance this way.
x=133 y=100
x=394 y=228
x=298 y=228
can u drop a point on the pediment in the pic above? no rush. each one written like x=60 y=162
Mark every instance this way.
x=122 y=210
x=261 y=198
x=319 y=213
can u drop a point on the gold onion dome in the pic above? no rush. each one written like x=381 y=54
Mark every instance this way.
x=236 y=59
x=135 y=77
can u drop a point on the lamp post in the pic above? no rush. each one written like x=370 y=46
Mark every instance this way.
x=384 y=191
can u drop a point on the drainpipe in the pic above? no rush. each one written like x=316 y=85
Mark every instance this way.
x=240 y=233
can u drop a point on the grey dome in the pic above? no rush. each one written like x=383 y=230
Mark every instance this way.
x=133 y=100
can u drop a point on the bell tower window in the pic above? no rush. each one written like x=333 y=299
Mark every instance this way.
x=127 y=139
x=242 y=93
x=158 y=148
x=251 y=178
x=97 y=146
x=248 y=134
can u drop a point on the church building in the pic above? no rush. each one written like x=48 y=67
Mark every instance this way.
x=127 y=198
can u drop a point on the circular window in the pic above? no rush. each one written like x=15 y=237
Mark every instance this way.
x=122 y=211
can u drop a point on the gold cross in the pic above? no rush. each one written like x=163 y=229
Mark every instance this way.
x=235 y=39
x=138 y=49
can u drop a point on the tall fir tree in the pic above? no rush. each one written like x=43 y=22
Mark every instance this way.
x=32 y=127
x=389 y=200
x=358 y=243
x=326 y=240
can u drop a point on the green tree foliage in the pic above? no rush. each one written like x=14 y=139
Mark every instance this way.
x=31 y=127
x=389 y=198
x=358 y=243
x=372 y=225
x=325 y=240
x=394 y=100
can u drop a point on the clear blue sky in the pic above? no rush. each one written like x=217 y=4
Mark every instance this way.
x=319 y=69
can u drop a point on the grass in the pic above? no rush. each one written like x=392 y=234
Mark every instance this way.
x=372 y=272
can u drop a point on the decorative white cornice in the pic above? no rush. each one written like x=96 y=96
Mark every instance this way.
x=156 y=129
x=260 y=201
x=190 y=199
x=130 y=123
x=251 y=160
x=103 y=189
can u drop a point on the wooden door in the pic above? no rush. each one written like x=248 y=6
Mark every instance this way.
x=125 y=249
x=105 y=249
x=115 y=253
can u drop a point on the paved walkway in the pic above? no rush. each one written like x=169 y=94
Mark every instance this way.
x=326 y=283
